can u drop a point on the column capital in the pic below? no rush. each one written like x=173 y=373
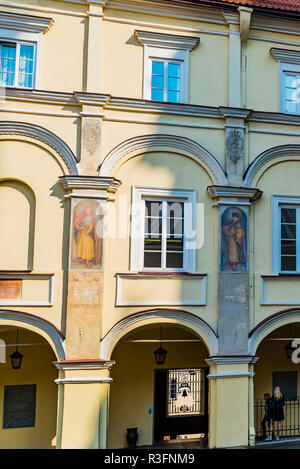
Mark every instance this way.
x=231 y=359
x=84 y=364
x=226 y=195
x=97 y=187
x=235 y=112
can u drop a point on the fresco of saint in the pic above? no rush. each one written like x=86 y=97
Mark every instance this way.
x=85 y=237
x=233 y=240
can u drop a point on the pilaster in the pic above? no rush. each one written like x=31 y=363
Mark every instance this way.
x=86 y=198
x=94 y=45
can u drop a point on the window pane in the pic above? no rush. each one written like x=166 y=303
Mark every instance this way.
x=288 y=248
x=290 y=80
x=173 y=84
x=157 y=95
x=175 y=260
x=173 y=70
x=175 y=209
x=153 y=225
x=175 y=244
x=157 y=81
x=288 y=215
x=26 y=52
x=152 y=259
x=290 y=107
x=288 y=231
x=152 y=243
x=288 y=263
x=173 y=96
x=157 y=68
x=175 y=226
x=26 y=66
x=7 y=64
x=153 y=208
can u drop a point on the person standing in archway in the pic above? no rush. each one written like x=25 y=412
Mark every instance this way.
x=277 y=414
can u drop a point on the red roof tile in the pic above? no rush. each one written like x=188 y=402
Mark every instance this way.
x=287 y=5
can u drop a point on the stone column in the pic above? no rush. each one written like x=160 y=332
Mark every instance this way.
x=251 y=402
x=228 y=384
x=87 y=199
x=83 y=390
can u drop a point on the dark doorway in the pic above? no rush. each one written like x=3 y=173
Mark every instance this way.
x=180 y=403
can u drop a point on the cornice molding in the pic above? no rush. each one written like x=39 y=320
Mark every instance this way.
x=274 y=117
x=84 y=364
x=248 y=193
x=51 y=97
x=142 y=105
x=160 y=140
x=265 y=157
x=19 y=22
x=286 y=55
x=231 y=17
x=43 y=135
x=109 y=184
x=245 y=374
x=278 y=25
x=162 y=8
x=168 y=41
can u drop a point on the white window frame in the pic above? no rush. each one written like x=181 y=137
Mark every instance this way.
x=167 y=47
x=289 y=62
x=153 y=54
x=276 y=203
x=139 y=194
x=18 y=43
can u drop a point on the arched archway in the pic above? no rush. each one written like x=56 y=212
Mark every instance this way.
x=271 y=341
x=126 y=150
x=29 y=395
x=164 y=401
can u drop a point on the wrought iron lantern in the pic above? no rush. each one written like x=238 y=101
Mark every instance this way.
x=16 y=357
x=160 y=354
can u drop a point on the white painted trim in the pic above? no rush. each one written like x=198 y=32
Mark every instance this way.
x=167 y=47
x=39 y=133
x=159 y=122
x=273 y=303
x=148 y=142
x=275 y=132
x=138 y=219
x=229 y=375
x=276 y=201
x=120 y=302
x=158 y=316
x=271 y=324
x=42 y=9
x=54 y=337
x=266 y=157
x=7 y=302
x=91 y=380
x=24 y=23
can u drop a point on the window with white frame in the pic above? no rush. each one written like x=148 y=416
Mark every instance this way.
x=166 y=66
x=286 y=234
x=289 y=80
x=20 y=49
x=17 y=64
x=163 y=233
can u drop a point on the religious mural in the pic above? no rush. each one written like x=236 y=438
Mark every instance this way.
x=87 y=235
x=234 y=257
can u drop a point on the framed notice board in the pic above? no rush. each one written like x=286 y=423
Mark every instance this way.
x=19 y=406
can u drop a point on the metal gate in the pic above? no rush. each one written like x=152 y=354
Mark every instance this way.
x=290 y=426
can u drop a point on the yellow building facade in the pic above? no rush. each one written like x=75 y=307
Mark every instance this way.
x=149 y=194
